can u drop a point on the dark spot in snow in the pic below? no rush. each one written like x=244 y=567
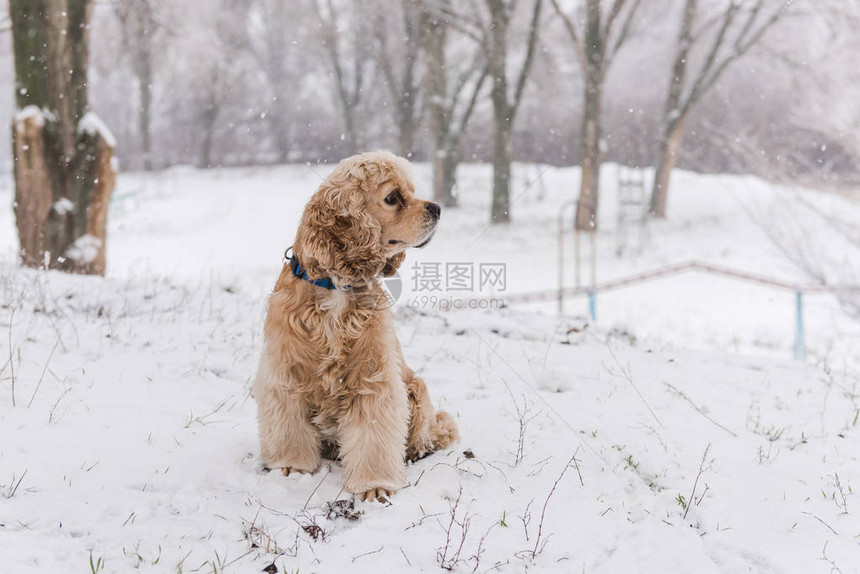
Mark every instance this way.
x=271 y=568
x=314 y=531
x=342 y=509
x=468 y=453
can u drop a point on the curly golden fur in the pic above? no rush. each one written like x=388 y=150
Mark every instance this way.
x=332 y=375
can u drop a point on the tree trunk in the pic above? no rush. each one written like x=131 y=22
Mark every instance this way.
x=590 y=146
x=444 y=174
x=674 y=114
x=502 y=112
x=406 y=127
x=352 y=138
x=145 y=111
x=209 y=118
x=64 y=170
x=667 y=156
x=434 y=31
x=502 y=172
x=592 y=157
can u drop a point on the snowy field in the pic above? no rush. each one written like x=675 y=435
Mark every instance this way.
x=674 y=435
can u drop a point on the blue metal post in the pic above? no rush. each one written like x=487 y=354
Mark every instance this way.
x=799 y=345
x=592 y=305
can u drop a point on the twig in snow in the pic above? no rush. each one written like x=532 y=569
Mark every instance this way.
x=523 y=419
x=572 y=462
x=448 y=556
x=627 y=374
x=53 y=408
x=42 y=376
x=702 y=469
x=526 y=518
x=405 y=556
x=833 y=567
x=680 y=394
x=576 y=466
x=328 y=468
x=837 y=484
x=14 y=485
x=821 y=521
x=421 y=521
x=480 y=550
x=354 y=558
x=11 y=356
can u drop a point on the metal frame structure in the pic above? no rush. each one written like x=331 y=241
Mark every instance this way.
x=800 y=289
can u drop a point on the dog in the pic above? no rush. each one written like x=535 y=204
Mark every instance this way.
x=332 y=376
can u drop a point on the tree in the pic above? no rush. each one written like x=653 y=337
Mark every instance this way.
x=746 y=28
x=64 y=169
x=268 y=41
x=399 y=64
x=138 y=27
x=213 y=80
x=505 y=104
x=605 y=33
x=349 y=85
x=449 y=111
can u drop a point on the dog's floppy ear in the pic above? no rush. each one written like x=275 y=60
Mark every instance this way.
x=336 y=237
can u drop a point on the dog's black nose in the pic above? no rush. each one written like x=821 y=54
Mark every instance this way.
x=434 y=210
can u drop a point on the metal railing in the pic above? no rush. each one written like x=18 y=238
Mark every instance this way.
x=800 y=289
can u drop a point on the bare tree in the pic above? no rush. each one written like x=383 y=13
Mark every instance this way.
x=450 y=108
x=596 y=46
x=349 y=85
x=268 y=42
x=64 y=173
x=399 y=62
x=505 y=103
x=737 y=31
x=138 y=28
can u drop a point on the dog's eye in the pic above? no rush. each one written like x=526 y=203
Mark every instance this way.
x=394 y=198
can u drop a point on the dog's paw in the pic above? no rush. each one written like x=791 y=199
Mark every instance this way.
x=444 y=430
x=376 y=494
x=288 y=470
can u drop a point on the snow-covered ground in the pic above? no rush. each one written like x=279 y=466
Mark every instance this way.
x=674 y=435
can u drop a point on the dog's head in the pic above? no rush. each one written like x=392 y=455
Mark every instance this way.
x=362 y=219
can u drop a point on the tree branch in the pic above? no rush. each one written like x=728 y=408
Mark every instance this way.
x=574 y=35
x=624 y=33
x=467 y=113
x=700 y=82
x=530 y=51
x=739 y=49
x=614 y=11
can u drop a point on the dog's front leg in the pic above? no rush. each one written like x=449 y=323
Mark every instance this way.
x=288 y=440
x=373 y=441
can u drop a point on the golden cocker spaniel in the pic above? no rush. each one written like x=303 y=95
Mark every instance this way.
x=332 y=375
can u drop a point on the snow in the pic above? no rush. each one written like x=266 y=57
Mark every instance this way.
x=92 y=124
x=63 y=206
x=85 y=249
x=134 y=433
x=29 y=113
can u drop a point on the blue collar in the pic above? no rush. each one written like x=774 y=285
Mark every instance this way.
x=299 y=271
